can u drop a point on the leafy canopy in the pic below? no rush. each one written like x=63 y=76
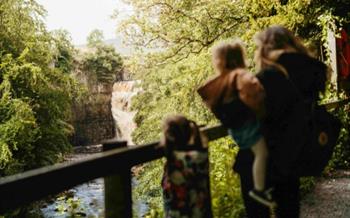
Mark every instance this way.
x=36 y=88
x=95 y=37
x=101 y=62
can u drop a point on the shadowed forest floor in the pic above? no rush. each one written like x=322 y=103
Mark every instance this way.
x=330 y=198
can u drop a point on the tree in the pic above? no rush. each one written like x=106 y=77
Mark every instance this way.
x=95 y=37
x=182 y=33
x=189 y=27
x=63 y=50
x=101 y=62
x=35 y=96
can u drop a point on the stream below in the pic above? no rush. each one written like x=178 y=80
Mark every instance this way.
x=85 y=200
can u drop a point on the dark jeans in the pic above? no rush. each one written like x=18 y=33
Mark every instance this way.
x=286 y=194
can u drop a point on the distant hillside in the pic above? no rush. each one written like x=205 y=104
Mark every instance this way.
x=117 y=43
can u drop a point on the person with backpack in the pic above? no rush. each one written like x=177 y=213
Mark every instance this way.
x=292 y=80
x=185 y=182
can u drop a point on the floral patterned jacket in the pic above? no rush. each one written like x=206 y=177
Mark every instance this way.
x=185 y=184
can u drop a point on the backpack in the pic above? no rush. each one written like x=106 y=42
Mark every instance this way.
x=323 y=130
x=305 y=142
x=316 y=130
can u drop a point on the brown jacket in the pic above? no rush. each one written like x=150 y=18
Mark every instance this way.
x=236 y=84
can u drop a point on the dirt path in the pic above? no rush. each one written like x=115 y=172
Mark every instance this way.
x=330 y=199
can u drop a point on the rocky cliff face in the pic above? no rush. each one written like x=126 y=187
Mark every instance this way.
x=92 y=118
x=105 y=111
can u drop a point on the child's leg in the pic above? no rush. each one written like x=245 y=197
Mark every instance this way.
x=259 y=165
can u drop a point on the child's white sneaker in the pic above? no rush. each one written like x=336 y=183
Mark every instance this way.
x=263 y=197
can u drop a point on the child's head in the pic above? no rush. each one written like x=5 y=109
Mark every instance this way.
x=229 y=56
x=179 y=131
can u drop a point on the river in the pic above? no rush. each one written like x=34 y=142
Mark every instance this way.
x=86 y=199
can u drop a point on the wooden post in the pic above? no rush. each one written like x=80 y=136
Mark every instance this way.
x=333 y=58
x=117 y=191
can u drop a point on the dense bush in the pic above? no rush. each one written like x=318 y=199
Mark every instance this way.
x=35 y=89
x=341 y=156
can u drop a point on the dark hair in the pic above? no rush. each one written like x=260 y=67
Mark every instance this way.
x=178 y=131
x=274 y=41
x=233 y=54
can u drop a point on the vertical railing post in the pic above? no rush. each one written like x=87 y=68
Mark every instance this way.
x=117 y=191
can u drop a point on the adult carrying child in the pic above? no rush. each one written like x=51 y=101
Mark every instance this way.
x=236 y=97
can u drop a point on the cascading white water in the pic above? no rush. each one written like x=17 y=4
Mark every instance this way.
x=123 y=92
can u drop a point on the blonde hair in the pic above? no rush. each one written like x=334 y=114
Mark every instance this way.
x=274 y=41
x=232 y=53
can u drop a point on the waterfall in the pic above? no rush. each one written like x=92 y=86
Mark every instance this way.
x=90 y=194
x=123 y=91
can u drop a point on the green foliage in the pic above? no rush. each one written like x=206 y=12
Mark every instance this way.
x=168 y=90
x=307 y=184
x=150 y=174
x=102 y=62
x=94 y=38
x=181 y=34
x=35 y=96
x=18 y=123
x=341 y=155
x=225 y=189
x=181 y=28
x=63 y=50
x=70 y=207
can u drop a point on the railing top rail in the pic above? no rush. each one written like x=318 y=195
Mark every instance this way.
x=335 y=104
